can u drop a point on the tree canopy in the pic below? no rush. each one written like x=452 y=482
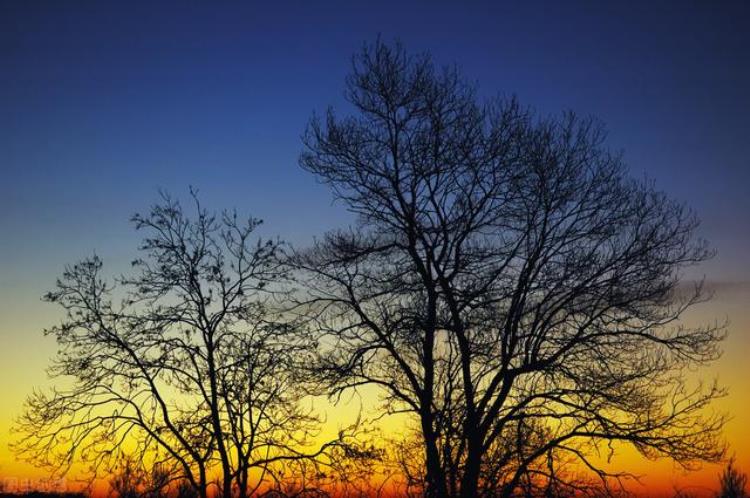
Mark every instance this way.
x=506 y=282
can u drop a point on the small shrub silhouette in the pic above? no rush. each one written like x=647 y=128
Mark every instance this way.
x=732 y=482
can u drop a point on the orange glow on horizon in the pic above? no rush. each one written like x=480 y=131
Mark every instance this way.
x=659 y=478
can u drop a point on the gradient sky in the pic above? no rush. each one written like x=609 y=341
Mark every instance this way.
x=102 y=104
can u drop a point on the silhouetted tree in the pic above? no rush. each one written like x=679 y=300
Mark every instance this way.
x=183 y=359
x=128 y=480
x=132 y=478
x=504 y=270
x=185 y=490
x=732 y=482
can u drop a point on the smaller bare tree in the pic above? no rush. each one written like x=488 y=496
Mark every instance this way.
x=183 y=361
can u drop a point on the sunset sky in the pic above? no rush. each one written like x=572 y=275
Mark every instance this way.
x=103 y=104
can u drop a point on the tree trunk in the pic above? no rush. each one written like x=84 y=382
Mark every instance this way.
x=202 y=487
x=435 y=486
x=470 y=478
x=226 y=484
x=242 y=483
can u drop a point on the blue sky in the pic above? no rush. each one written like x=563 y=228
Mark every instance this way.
x=103 y=103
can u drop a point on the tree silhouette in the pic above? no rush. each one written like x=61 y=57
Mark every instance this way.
x=732 y=482
x=504 y=272
x=131 y=480
x=182 y=363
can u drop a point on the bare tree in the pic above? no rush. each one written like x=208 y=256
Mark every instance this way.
x=504 y=270
x=182 y=363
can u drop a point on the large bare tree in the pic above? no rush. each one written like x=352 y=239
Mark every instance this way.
x=504 y=273
x=182 y=364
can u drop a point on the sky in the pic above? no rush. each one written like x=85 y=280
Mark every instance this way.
x=102 y=104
